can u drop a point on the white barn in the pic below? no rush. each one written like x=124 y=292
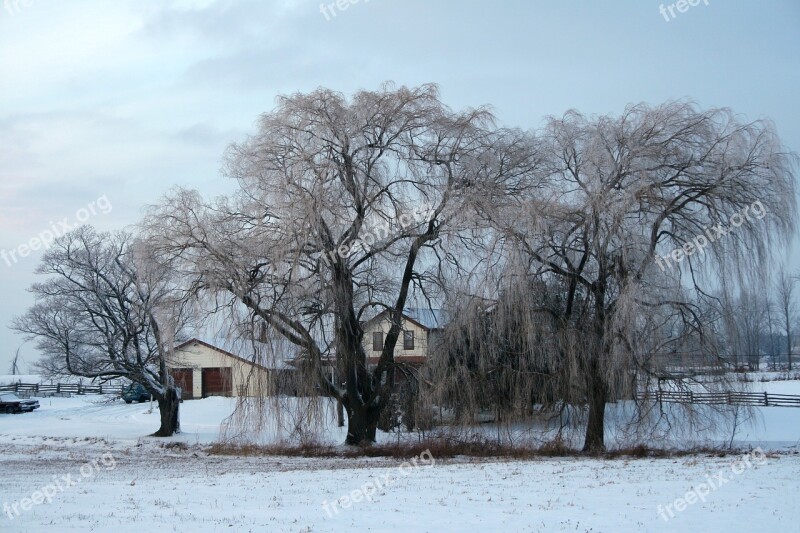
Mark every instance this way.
x=202 y=369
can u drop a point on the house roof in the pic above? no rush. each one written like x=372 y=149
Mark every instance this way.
x=285 y=365
x=426 y=318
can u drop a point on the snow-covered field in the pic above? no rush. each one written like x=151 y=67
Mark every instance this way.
x=126 y=482
x=147 y=487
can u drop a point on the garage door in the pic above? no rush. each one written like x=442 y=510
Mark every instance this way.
x=216 y=382
x=184 y=379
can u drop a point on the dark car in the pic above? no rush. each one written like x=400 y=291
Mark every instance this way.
x=11 y=403
x=135 y=392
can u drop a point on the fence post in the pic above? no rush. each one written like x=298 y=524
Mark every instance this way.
x=766 y=399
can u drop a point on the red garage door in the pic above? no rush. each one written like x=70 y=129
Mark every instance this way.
x=184 y=379
x=217 y=382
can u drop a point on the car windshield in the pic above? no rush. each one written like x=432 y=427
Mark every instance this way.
x=8 y=397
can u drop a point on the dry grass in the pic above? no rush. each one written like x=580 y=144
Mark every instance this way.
x=444 y=448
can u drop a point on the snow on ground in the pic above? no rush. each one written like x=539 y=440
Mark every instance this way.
x=135 y=484
x=146 y=488
x=101 y=418
x=95 y=417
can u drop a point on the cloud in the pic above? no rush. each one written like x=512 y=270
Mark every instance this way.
x=53 y=161
x=223 y=22
x=131 y=97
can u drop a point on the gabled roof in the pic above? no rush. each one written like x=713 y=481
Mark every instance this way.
x=220 y=350
x=426 y=318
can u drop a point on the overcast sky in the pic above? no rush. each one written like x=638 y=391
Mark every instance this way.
x=106 y=105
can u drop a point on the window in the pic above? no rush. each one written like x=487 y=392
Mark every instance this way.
x=408 y=340
x=377 y=341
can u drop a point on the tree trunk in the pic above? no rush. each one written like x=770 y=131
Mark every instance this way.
x=595 y=426
x=168 y=408
x=362 y=425
x=339 y=413
x=789 y=345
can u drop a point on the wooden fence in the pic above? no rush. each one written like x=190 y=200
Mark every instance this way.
x=764 y=399
x=60 y=388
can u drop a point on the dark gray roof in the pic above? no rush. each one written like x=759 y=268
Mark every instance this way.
x=429 y=318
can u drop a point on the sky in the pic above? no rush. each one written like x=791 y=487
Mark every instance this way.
x=105 y=106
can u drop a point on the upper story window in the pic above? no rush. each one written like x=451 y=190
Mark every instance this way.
x=377 y=341
x=408 y=339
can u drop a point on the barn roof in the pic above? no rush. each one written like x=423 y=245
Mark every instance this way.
x=280 y=364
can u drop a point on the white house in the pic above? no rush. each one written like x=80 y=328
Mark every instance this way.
x=420 y=329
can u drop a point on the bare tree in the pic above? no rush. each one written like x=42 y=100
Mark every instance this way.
x=771 y=322
x=747 y=322
x=785 y=285
x=342 y=211
x=15 y=363
x=641 y=216
x=107 y=311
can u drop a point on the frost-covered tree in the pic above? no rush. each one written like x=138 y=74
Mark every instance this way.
x=107 y=310
x=342 y=209
x=785 y=294
x=746 y=318
x=641 y=216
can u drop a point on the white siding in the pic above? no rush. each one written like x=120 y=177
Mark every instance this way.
x=383 y=325
x=247 y=378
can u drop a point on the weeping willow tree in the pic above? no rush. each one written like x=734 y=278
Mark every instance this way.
x=494 y=355
x=280 y=402
x=341 y=208
x=609 y=255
